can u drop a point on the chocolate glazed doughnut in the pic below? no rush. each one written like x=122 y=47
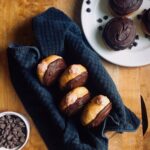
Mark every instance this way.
x=124 y=7
x=74 y=100
x=74 y=76
x=146 y=20
x=53 y=71
x=119 y=33
x=50 y=68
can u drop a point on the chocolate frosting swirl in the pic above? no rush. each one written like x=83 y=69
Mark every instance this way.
x=124 y=7
x=146 y=19
x=119 y=33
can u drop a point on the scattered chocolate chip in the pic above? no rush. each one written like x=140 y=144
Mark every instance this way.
x=130 y=47
x=88 y=2
x=105 y=17
x=135 y=44
x=99 y=20
x=88 y=10
x=12 y=131
x=147 y=36
x=137 y=37
x=100 y=28
x=139 y=17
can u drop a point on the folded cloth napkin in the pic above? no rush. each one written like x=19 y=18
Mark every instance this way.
x=57 y=34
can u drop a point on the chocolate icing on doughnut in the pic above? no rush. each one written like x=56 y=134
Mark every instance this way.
x=54 y=69
x=124 y=7
x=119 y=33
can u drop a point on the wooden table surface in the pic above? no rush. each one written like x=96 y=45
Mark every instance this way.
x=15 y=25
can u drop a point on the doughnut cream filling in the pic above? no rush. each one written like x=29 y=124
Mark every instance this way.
x=73 y=96
x=72 y=72
x=94 y=108
x=43 y=65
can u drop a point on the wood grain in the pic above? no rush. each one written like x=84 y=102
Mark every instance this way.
x=15 y=26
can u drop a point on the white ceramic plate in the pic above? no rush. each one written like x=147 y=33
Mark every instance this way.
x=137 y=56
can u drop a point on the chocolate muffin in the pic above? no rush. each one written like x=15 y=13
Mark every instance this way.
x=146 y=21
x=50 y=68
x=74 y=76
x=125 y=7
x=96 y=111
x=119 y=33
x=74 y=100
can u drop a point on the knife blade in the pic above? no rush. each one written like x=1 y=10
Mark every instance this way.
x=144 y=116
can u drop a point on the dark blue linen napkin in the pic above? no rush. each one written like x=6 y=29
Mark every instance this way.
x=57 y=34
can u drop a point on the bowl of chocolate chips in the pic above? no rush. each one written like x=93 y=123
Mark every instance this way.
x=14 y=131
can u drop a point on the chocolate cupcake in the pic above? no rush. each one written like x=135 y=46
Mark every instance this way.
x=125 y=7
x=50 y=68
x=96 y=111
x=119 y=33
x=74 y=76
x=146 y=21
x=74 y=100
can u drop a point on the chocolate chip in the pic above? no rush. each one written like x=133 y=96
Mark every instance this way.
x=139 y=17
x=144 y=10
x=137 y=37
x=147 y=36
x=12 y=131
x=8 y=117
x=88 y=2
x=22 y=139
x=10 y=120
x=13 y=125
x=88 y=10
x=135 y=44
x=2 y=126
x=2 y=118
x=130 y=47
x=9 y=137
x=99 y=20
x=105 y=17
x=21 y=124
x=100 y=28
